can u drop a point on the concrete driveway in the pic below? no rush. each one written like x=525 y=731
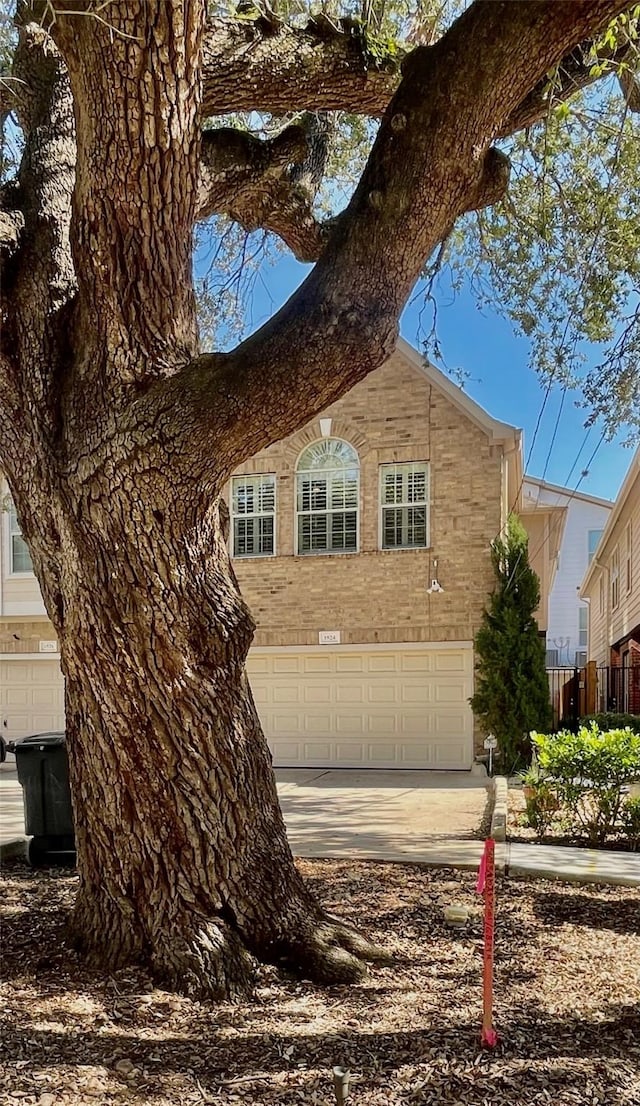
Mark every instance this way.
x=386 y=815
x=380 y=814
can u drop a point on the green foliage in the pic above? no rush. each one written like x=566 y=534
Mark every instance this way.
x=588 y=771
x=610 y=721
x=541 y=807
x=630 y=821
x=512 y=688
x=559 y=255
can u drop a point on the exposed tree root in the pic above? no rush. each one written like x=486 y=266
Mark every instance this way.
x=205 y=959
x=331 y=952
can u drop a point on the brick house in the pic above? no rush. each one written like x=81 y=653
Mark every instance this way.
x=611 y=589
x=362 y=546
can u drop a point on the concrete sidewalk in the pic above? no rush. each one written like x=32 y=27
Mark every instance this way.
x=407 y=817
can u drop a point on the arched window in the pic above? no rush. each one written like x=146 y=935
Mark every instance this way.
x=327 y=495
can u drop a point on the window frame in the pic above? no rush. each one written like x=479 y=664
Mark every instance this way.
x=14 y=531
x=628 y=558
x=404 y=505
x=253 y=514
x=325 y=512
x=591 y=553
x=614 y=578
x=583 y=629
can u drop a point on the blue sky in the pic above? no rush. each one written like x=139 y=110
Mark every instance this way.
x=484 y=345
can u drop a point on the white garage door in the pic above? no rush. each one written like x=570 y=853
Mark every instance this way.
x=31 y=697
x=359 y=708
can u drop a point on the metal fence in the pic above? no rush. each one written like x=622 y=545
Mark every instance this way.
x=593 y=689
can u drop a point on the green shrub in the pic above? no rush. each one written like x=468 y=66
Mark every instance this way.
x=630 y=821
x=610 y=721
x=589 y=770
x=511 y=684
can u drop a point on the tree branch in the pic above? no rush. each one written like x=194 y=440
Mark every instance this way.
x=38 y=279
x=136 y=90
x=431 y=161
x=267 y=183
x=11 y=220
x=265 y=65
x=575 y=72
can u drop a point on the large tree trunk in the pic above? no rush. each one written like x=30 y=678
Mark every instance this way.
x=117 y=440
x=182 y=851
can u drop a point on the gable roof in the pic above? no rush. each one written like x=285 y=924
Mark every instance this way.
x=569 y=493
x=495 y=429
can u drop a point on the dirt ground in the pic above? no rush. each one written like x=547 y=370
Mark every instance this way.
x=567 y=1005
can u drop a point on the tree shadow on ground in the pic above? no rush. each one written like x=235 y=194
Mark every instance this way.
x=556 y=908
x=444 y=1047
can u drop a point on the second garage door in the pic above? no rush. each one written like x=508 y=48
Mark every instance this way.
x=31 y=697
x=366 y=708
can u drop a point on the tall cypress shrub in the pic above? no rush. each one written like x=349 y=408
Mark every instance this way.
x=512 y=688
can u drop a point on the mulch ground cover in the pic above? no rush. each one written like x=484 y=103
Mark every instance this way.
x=521 y=832
x=567 y=1005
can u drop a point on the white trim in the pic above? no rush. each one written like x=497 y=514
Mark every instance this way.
x=296 y=513
x=614 y=577
x=404 y=506
x=25 y=610
x=498 y=431
x=365 y=647
x=29 y=656
x=368 y=647
x=11 y=533
x=570 y=494
x=255 y=514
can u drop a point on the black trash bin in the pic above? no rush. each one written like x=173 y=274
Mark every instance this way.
x=43 y=771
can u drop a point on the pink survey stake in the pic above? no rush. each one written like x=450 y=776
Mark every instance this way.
x=486 y=886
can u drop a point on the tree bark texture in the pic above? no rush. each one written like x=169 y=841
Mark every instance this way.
x=117 y=438
x=182 y=852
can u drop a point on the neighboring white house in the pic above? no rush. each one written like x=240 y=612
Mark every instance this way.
x=585 y=517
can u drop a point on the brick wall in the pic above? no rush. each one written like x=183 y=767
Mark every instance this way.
x=394 y=415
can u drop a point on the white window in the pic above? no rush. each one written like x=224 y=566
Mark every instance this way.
x=628 y=557
x=327 y=498
x=404 y=506
x=593 y=538
x=583 y=626
x=253 y=509
x=20 y=559
x=615 y=578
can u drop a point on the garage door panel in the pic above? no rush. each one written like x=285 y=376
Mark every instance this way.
x=317 y=753
x=319 y=664
x=350 y=662
x=382 y=662
x=350 y=692
x=381 y=694
x=31 y=697
x=450 y=693
x=415 y=693
x=353 y=753
x=381 y=753
x=374 y=708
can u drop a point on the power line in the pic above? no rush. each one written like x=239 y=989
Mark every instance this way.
x=555 y=431
x=584 y=442
x=583 y=475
